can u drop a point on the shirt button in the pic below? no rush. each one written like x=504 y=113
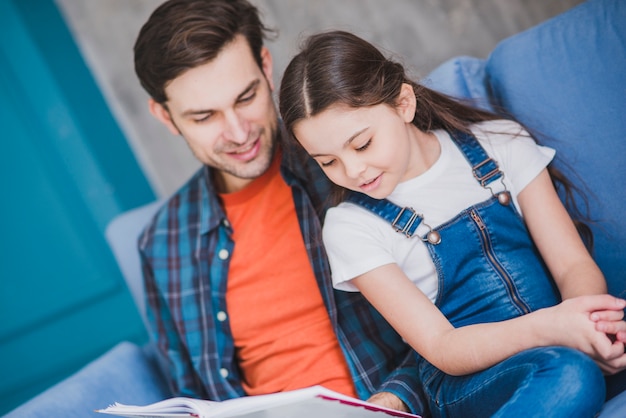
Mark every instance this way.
x=221 y=316
x=224 y=373
x=223 y=254
x=226 y=223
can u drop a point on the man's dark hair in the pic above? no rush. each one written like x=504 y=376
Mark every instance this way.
x=183 y=34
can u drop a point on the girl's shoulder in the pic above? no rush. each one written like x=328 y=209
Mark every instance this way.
x=356 y=241
x=349 y=221
x=503 y=137
x=499 y=130
x=516 y=152
x=348 y=214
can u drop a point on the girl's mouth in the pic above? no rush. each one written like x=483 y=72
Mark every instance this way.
x=372 y=184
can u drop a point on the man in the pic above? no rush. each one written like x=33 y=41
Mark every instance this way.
x=240 y=300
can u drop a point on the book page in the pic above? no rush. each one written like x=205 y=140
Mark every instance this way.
x=320 y=407
x=173 y=407
x=311 y=402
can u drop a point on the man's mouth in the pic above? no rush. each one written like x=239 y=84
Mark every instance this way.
x=247 y=152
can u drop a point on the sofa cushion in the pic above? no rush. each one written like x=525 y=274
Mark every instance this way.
x=566 y=80
x=462 y=77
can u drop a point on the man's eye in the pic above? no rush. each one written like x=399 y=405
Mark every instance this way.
x=202 y=119
x=247 y=98
x=364 y=146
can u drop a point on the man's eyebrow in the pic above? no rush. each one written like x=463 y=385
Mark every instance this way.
x=192 y=112
x=253 y=85
x=352 y=138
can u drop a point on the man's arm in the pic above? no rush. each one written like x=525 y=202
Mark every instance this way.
x=386 y=365
x=402 y=389
x=180 y=375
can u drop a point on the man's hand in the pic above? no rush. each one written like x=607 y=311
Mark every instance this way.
x=388 y=400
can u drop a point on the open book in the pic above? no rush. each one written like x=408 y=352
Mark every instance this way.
x=312 y=402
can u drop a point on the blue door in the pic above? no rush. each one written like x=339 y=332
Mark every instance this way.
x=66 y=170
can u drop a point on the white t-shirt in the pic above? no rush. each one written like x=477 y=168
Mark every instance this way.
x=358 y=241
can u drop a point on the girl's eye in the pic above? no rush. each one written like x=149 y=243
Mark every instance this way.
x=327 y=163
x=364 y=146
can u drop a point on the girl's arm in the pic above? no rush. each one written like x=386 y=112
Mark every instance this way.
x=472 y=348
x=557 y=239
x=569 y=262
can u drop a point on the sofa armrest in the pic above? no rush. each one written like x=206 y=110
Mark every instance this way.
x=127 y=373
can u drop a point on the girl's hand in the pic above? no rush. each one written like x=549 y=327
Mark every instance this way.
x=611 y=323
x=580 y=318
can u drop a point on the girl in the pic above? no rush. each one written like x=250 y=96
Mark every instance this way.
x=430 y=230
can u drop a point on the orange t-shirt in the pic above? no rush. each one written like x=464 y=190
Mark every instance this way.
x=282 y=332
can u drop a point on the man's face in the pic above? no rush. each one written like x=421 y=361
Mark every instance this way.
x=225 y=111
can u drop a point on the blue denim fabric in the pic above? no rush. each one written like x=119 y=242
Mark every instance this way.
x=490 y=270
x=488 y=267
x=541 y=382
x=497 y=278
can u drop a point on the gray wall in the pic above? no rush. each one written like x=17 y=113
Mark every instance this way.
x=423 y=32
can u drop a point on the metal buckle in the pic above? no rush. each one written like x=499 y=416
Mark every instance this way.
x=409 y=223
x=485 y=179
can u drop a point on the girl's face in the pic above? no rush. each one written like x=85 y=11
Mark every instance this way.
x=368 y=149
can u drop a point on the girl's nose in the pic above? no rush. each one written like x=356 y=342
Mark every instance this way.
x=354 y=168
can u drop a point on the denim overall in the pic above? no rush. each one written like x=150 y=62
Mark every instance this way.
x=487 y=265
x=488 y=268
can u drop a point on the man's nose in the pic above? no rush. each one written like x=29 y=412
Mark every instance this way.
x=236 y=128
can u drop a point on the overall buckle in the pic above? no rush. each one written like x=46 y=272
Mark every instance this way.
x=405 y=229
x=487 y=177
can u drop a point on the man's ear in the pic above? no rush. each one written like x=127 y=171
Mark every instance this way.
x=407 y=103
x=267 y=66
x=163 y=115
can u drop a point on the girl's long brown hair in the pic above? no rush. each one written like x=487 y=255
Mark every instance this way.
x=338 y=67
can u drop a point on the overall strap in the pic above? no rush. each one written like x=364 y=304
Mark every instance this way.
x=484 y=168
x=404 y=220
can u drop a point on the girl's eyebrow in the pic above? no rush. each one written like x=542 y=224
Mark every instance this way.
x=352 y=137
x=355 y=135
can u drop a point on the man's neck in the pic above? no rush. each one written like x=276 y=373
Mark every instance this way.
x=228 y=183
x=237 y=185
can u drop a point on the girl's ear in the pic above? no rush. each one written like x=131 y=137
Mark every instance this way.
x=407 y=103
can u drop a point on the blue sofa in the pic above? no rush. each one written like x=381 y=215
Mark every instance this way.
x=565 y=78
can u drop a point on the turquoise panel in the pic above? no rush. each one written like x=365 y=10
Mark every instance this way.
x=64 y=98
x=65 y=171
x=54 y=258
